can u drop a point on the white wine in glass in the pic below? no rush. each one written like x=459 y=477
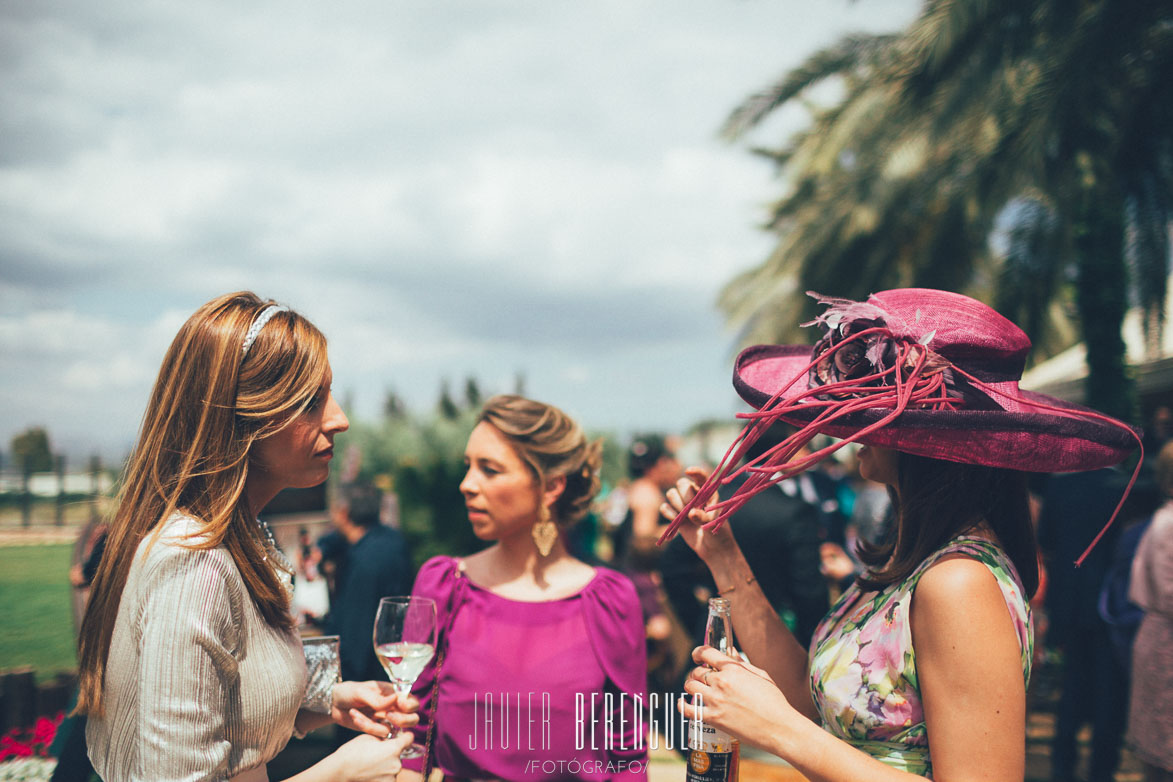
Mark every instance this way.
x=405 y=642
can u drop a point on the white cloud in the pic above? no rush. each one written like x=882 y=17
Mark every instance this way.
x=447 y=189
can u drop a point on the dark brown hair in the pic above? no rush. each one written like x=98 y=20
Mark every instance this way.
x=208 y=406
x=935 y=501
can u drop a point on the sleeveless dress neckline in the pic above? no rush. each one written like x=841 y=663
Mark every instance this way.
x=863 y=666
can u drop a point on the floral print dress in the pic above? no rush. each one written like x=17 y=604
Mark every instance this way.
x=863 y=665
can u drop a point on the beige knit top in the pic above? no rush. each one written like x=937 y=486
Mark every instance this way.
x=198 y=686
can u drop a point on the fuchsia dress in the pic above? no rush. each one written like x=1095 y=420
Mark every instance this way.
x=534 y=691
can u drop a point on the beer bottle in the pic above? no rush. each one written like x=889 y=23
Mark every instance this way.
x=714 y=756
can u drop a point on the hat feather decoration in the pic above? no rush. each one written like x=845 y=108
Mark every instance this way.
x=923 y=371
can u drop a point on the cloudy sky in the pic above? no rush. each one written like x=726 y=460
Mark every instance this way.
x=448 y=189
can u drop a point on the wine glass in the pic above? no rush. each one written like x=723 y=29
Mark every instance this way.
x=405 y=642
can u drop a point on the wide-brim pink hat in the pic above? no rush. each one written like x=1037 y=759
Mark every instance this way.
x=926 y=372
x=993 y=422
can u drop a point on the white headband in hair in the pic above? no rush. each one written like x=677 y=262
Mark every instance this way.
x=266 y=314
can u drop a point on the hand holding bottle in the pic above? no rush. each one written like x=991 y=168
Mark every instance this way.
x=714 y=755
x=739 y=698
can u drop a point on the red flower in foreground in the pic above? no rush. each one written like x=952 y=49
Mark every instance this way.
x=44 y=730
x=30 y=742
x=10 y=747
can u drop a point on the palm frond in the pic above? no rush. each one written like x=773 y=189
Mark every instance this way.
x=853 y=52
x=1149 y=213
x=978 y=103
x=1031 y=266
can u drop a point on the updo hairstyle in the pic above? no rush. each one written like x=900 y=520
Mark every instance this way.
x=551 y=444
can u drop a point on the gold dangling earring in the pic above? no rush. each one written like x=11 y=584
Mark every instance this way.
x=545 y=532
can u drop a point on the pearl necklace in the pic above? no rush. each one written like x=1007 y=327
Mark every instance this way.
x=279 y=557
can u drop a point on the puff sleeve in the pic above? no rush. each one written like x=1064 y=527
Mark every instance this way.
x=616 y=629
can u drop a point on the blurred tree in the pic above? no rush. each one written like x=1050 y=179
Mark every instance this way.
x=394 y=406
x=1054 y=116
x=472 y=394
x=1033 y=274
x=446 y=405
x=31 y=452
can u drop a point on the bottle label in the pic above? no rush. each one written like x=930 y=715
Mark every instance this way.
x=711 y=757
x=707 y=738
x=711 y=766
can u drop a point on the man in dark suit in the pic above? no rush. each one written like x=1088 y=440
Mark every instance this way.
x=1095 y=687
x=779 y=532
x=375 y=564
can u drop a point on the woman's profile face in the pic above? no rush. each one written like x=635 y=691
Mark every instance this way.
x=879 y=464
x=499 y=489
x=299 y=455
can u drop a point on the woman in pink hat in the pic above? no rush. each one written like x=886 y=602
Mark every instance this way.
x=921 y=668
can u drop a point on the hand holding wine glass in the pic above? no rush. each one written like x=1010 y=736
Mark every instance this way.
x=405 y=642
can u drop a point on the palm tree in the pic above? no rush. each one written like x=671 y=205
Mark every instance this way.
x=1053 y=117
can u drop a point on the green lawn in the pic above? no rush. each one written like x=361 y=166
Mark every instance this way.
x=35 y=602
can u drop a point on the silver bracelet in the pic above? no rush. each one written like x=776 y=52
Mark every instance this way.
x=323 y=672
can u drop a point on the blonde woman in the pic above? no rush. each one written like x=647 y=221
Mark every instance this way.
x=191 y=666
x=528 y=632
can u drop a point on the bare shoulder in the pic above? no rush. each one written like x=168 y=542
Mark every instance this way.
x=970 y=671
x=959 y=597
x=953 y=577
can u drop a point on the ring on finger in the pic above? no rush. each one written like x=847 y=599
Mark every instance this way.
x=705 y=678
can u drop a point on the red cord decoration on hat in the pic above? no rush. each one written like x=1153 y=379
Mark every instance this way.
x=859 y=364
x=903 y=384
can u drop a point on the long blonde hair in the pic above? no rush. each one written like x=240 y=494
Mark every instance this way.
x=209 y=405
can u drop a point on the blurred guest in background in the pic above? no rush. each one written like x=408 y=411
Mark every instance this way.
x=69 y=745
x=1159 y=430
x=870 y=514
x=819 y=487
x=1150 y=717
x=311 y=595
x=653 y=469
x=375 y=565
x=779 y=531
x=1094 y=685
